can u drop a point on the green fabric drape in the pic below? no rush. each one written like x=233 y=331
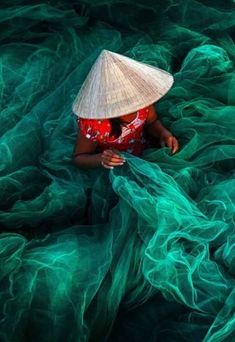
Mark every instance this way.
x=143 y=252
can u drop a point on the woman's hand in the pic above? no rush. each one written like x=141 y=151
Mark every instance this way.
x=171 y=142
x=111 y=158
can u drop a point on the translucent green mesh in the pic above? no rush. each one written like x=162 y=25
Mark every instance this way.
x=144 y=252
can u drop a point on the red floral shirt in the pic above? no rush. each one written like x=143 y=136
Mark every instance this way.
x=131 y=140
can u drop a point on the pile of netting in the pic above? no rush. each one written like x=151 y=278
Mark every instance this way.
x=143 y=252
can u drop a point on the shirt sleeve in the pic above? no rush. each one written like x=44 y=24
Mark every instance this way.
x=87 y=128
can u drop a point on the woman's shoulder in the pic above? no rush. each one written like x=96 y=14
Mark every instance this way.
x=143 y=112
x=93 y=128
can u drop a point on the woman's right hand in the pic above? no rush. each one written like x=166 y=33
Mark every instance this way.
x=111 y=158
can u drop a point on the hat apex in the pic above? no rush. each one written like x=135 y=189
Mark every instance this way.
x=118 y=85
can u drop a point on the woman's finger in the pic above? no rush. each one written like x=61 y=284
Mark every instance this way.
x=116 y=153
x=108 y=159
x=107 y=152
x=111 y=154
x=170 y=143
x=114 y=159
x=112 y=163
x=175 y=146
x=106 y=166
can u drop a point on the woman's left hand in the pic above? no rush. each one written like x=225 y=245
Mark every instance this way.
x=171 y=142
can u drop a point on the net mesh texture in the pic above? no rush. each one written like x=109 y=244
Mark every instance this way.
x=142 y=252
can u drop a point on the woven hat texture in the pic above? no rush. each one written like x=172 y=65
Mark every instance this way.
x=118 y=85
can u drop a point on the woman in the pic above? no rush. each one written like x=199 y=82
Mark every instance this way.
x=102 y=149
x=116 y=113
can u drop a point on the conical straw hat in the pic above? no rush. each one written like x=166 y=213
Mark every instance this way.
x=118 y=85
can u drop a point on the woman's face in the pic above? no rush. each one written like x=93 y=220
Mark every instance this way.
x=129 y=117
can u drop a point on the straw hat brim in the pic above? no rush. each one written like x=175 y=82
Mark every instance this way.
x=118 y=85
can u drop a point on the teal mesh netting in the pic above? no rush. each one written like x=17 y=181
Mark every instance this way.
x=144 y=252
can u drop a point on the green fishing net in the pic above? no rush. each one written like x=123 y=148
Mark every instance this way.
x=143 y=252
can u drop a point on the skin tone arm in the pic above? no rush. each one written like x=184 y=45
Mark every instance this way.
x=84 y=155
x=155 y=128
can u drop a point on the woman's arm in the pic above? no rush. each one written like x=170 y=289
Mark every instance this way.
x=84 y=155
x=154 y=127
